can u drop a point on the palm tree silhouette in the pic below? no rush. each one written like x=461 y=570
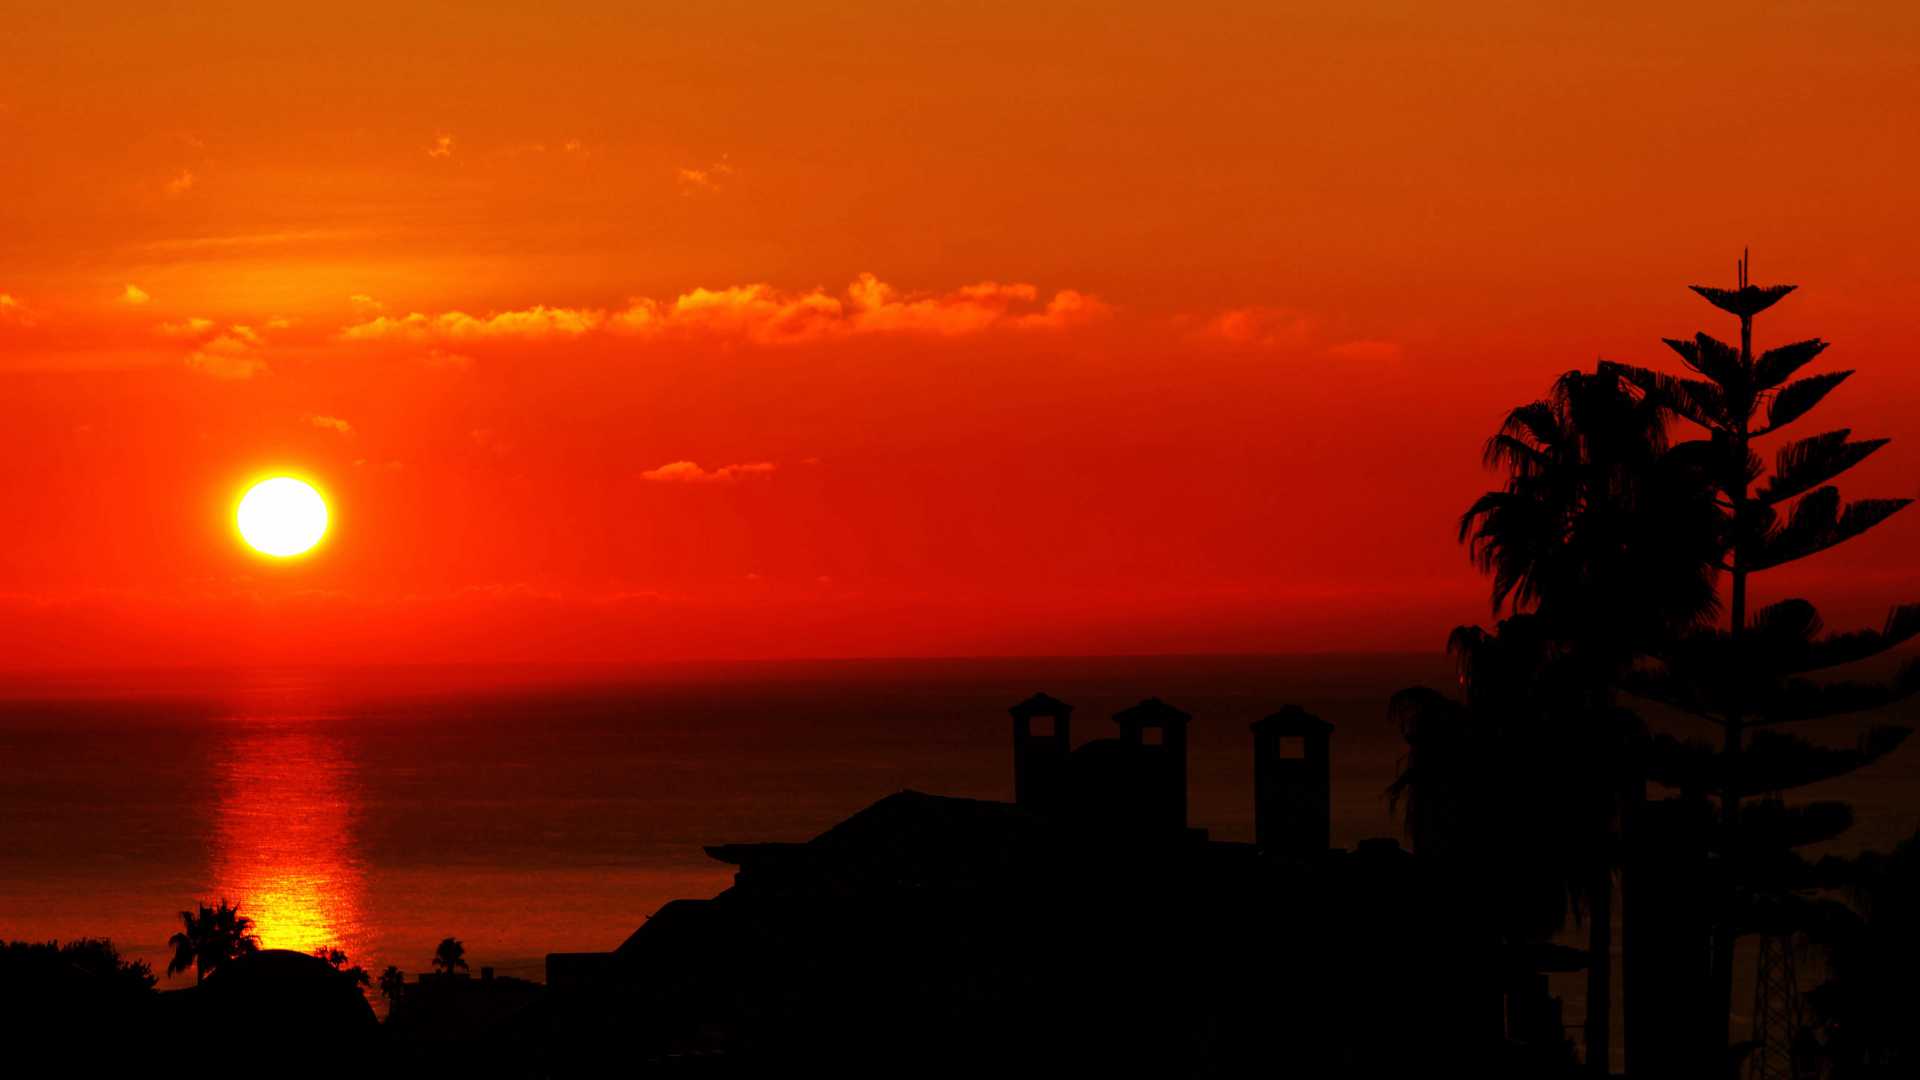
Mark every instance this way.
x=450 y=954
x=209 y=938
x=393 y=983
x=336 y=959
x=1602 y=542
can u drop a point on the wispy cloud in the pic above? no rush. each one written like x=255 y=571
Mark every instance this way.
x=704 y=178
x=688 y=472
x=180 y=184
x=1264 y=327
x=763 y=315
x=191 y=327
x=134 y=294
x=331 y=423
x=13 y=311
x=441 y=146
x=228 y=357
x=241 y=242
x=532 y=324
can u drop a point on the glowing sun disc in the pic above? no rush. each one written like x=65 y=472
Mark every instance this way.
x=281 y=517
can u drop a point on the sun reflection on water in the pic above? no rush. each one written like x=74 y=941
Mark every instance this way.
x=284 y=837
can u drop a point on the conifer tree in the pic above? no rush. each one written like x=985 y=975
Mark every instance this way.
x=1750 y=677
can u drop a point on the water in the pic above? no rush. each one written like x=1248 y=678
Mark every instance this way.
x=528 y=812
x=552 y=811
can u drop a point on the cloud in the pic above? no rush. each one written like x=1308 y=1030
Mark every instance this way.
x=704 y=178
x=13 y=311
x=228 y=357
x=754 y=313
x=441 y=147
x=180 y=184
x=531 y=324
x=1376 y=352
x=687 y=472
x=191 y=327
x=331 y=423
x=764 y=315
x=364 y=304
x=760 y=314
x=134 y=294
x=1265 y=327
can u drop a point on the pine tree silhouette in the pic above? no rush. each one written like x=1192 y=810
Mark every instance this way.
x=1749 y=677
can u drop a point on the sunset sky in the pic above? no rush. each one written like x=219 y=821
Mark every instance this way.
x=626 y=332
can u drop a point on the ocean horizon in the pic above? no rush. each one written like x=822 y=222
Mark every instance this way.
x=529 y=809
x=550 y=808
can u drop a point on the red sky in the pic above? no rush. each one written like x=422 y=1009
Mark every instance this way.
x=754 y=330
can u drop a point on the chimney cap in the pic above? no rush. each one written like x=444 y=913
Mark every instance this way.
x=1041 y=705
x=1151 y=713
x=1292 y=720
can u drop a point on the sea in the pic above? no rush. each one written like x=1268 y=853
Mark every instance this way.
x=535 y=810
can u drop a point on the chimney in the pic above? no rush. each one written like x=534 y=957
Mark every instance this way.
x=1041 y=741
x=1158 y=733
x=1292 y=783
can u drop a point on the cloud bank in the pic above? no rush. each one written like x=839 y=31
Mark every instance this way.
x=688 y=472
x=760 y=314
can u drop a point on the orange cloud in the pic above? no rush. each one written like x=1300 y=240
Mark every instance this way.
x=12 y=310
x=180 y=184
x=441 y=147
x=705 y=178
x=331 y=423
x=687 y=472
x=763 y=315
x=190 y=327
x=1265 y=327
x=228 y=357
x=531 y=324
x=134 y=294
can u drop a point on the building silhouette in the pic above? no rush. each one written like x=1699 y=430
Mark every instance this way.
x=1083 y=925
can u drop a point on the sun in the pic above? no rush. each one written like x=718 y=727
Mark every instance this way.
x=282 y=517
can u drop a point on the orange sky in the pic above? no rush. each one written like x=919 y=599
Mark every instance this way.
x=984 y=327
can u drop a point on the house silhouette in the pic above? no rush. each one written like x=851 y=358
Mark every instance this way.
x=1084 y=925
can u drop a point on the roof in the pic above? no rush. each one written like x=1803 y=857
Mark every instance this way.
x=1152 y=712
x=1292 y=720
x=1041 y=705
x=273 y=964
x=908 y=838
